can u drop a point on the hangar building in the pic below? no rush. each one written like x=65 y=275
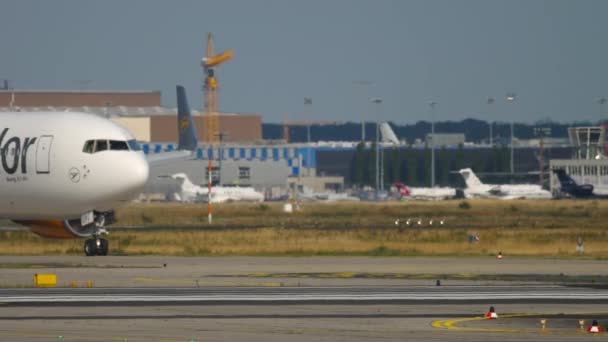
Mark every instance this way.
x=139 y=111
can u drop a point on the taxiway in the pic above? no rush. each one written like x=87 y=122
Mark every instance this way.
x=299 y=299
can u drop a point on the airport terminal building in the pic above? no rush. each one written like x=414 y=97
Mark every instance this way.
x=588 y=163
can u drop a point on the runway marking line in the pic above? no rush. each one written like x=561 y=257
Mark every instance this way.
x=79 y=337
x=452 y=325
x=200 y=283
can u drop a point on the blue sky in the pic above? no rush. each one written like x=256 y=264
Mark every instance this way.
x=552 y=54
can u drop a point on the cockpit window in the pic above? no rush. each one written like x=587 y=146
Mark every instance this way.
x=92 y=146
x=133 y=145
x=101 y=145
x=118 y=145
x=89 y=146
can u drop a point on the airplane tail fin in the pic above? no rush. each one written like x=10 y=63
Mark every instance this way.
x=186 y=183
x=564 y=178
x=185 y=125
x=403 y=190
x=387 y=133
x=470 y=178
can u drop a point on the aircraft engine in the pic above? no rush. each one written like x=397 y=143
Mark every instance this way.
x=59 y=229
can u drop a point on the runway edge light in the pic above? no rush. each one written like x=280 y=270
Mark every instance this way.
x=491 y=314
x=594 y=327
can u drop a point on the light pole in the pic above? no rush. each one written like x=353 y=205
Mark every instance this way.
x=308 y=105
x=511 y=99
x=366 y=84
x=432 y=106
x=108 y=105
x=541 y=132
x=379 y=185
x=601 y=102
x=490 y=102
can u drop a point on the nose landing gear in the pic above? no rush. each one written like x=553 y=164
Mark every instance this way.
x=98 y=245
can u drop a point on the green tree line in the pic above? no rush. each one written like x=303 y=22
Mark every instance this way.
x=412 y=166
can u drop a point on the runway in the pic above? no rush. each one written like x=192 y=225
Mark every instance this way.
x=194 y=272
x=339 y=313
x=303 y=295
x=296 y=322
x=299 y=299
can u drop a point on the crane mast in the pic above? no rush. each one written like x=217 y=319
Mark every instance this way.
x=211 y=116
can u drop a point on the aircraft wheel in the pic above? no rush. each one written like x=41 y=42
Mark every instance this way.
x=90 y=247
x=103 y=247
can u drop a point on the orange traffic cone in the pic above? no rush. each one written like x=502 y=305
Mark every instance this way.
x=594 y=327
x=491 y=314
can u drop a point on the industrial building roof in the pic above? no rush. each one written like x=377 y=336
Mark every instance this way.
x=110 y=111
x=76 y=91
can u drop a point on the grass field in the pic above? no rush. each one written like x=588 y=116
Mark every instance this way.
x=523 y=228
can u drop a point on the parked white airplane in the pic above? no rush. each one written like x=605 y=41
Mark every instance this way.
x=475 y=188
x=191 y=193
x=307 y=194
x=427 y=194
x=63 y=173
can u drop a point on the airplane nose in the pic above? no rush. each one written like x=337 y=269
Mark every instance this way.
x=140 y=173
x=135 y=175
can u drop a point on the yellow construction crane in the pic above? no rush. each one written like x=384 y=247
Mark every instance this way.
x=211 y=117
x=210 y=88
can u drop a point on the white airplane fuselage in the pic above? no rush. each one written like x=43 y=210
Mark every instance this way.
x=507 y=191
x=432 y=193
x=220 y=194
x=225 y=194
x=45 y=173
x=475 y=188
x=190 y=192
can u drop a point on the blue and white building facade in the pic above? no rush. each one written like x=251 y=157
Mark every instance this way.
x=299 y=158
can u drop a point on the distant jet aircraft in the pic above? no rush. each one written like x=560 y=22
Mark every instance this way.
x=387 y=133
x=309 y=195
x=477 y=189
x=191 y=193
x=63 y=173
x=425 y=193
x=570 y=187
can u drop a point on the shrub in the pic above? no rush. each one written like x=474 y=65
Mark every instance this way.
x=464 y=205
x=263 y=207
x=384 y=251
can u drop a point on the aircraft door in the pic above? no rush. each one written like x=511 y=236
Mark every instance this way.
x=43 y=154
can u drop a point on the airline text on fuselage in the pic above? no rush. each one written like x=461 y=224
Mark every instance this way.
x=14 y=152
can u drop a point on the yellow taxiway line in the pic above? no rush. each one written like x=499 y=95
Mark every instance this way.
x=453 y=325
